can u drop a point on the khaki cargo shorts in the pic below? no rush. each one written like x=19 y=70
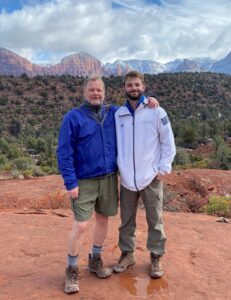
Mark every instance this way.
x=99 y=194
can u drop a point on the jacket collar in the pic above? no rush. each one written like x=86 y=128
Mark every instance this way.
x=142 y=101
x=95 y=111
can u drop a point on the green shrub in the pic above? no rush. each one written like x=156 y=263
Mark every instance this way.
x=223 y=157
x=14 y=152
x=18 y=92
x=182 y=157
x=27 y=174
x=3 y=101
x=15 y=127
x=218 y=205
x=44 y=94
x=7 y=166
x=202 y=164
x=10 y=150
x=3 y=161
x=17 y=174
x=49 y=169
x=194 y=157
x=36 y=171
x=4 y=146
x=23 y=163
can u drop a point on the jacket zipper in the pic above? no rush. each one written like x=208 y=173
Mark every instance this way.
x=134 y=166
x=103 y=148
x=101 y=127
x=101 y=121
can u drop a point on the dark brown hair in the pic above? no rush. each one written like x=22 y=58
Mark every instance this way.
x=133 y=74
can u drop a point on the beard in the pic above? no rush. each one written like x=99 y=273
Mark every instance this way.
x=132 y=97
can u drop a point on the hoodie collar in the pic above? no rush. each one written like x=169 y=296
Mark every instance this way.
x=128 y=105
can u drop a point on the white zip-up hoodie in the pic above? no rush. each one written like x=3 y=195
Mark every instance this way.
x=145 y=144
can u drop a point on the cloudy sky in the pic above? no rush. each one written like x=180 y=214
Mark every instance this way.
x=44 y=31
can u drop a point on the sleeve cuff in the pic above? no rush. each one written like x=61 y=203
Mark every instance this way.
x=70 y=187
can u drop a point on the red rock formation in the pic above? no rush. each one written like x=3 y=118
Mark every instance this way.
x=80 y=64
x=13 y=64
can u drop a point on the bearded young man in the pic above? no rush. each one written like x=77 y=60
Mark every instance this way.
x=146 y=150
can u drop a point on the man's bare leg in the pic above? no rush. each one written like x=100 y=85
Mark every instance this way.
x=100 y=230
x=76 y=236
x=74 y=244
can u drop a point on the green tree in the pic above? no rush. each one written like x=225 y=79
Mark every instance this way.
x=189 y=135
x=23 y=163
x=40 y=145
x=218 y=141
x=204 y=131
x=223 y=157
x=15 y=127
x=3 y=101
x=182 y=157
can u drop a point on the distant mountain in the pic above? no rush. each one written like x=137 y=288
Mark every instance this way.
x=121 y=67
x=118 y=68
x=223 y=65
x=172 y=65
x=82 y=64
x=79 y=64
x=190 y=65
x=14 y=64
x=205 y=63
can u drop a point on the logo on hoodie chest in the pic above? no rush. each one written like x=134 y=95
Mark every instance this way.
x=146 y=122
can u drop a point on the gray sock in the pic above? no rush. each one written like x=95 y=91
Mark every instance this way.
x=72 y=260
x=96 y=251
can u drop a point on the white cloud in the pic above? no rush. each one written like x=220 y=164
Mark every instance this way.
x=164 y=32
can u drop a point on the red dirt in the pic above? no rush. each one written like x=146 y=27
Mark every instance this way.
x=33 y=244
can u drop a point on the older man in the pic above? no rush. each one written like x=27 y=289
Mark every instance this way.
x=87 y=161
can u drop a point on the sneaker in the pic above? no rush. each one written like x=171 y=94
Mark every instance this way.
x=126 y=259
x=156 y=270
x=71 y=280
x=95 y=265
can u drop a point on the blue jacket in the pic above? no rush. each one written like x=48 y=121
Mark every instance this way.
x=87 y=146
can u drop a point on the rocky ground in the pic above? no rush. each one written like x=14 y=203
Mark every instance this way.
x=34 y=225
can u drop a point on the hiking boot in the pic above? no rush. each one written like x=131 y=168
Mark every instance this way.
x=71 y=280
x=126 y=259
x=95 y=265
x=156 y=270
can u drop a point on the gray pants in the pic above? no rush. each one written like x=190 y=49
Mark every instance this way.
x=152 y=197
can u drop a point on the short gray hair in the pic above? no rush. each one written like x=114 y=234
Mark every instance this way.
x=92 y=77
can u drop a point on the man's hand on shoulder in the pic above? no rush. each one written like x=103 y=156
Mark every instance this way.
x=74 y=193
x=153 y=102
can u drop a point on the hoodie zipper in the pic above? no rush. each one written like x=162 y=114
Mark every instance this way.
x=134 y=165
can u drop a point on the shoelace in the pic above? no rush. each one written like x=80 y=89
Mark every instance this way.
x=72 y=275
x=122 y=256
x=99 y=262
x=155 y=263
